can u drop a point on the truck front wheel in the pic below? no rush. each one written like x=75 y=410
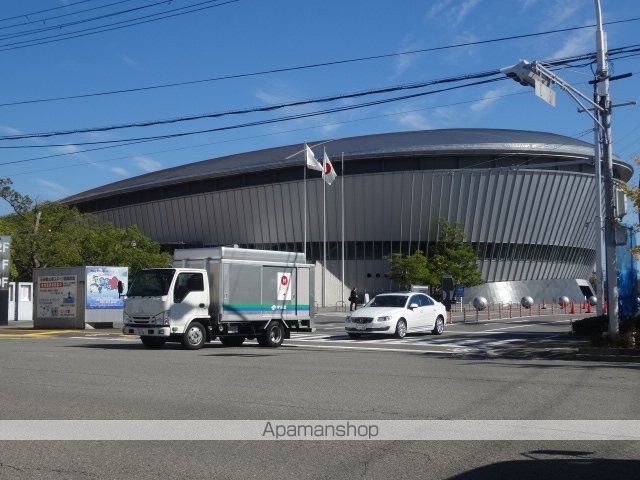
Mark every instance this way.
x=272 y=336
x=153 y=342
x=194 y=337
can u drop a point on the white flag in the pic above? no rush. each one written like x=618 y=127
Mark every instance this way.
x=328 y=174
x=312 y=163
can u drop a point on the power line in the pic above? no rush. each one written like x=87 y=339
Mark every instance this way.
x=267 y=108
x=264 y=108
x=268 y=121
x=23 y=33
x=44 y=11
x=299 y=67
x=119 y=25
x=371 y=117
x=48 y=19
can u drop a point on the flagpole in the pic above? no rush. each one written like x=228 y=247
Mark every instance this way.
x=324 y=240
x=342 y=208
x=305 y=206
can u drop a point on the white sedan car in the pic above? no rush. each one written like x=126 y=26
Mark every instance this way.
x=397 y=314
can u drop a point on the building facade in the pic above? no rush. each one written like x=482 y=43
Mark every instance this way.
x=526 y=200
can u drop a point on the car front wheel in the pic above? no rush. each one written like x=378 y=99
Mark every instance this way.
x=401 y=328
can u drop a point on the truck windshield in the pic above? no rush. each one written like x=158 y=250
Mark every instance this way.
x=151 y=283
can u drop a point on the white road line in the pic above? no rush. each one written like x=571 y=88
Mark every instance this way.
x=376 y=349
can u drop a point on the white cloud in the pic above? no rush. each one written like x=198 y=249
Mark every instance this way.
x=488 y=99
x=10 y=130
x=413 y=120
x=119 y=171
x=438 y=7
x=70 y=148
x=132 y=62
x=146 y=163
x=581 y=41
x=453 y=12
x=54 y=188
x=465 y=9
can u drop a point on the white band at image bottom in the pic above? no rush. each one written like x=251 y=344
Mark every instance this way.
x=311 y=430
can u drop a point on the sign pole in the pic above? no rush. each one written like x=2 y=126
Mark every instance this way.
x=342 y=208
x=304 y=241
x=324 y=239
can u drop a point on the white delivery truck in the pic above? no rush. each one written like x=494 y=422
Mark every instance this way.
x=230 y=293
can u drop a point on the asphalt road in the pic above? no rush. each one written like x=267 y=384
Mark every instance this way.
x=106 y=376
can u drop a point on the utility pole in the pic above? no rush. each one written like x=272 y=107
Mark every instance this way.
x=536 y=74
x=597 y=166
x=602 y=88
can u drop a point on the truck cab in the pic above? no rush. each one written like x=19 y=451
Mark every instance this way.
x=196 y=305
x=163 y=302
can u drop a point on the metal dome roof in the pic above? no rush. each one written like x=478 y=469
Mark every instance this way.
x=423 y=142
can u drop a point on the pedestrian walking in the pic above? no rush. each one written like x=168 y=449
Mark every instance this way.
x=353 y=299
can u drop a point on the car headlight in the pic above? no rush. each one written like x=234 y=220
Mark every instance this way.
x=348 y=319
x=162 y=318
x=383 y=319
x=126 y=319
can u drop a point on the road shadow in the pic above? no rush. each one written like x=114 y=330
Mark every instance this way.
x=565 y=469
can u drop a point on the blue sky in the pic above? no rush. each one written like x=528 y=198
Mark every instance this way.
x=253 y=35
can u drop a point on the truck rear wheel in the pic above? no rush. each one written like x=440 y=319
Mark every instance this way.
x=153 y=342
x=272 y=336
x=232 y=341
x=194 y=337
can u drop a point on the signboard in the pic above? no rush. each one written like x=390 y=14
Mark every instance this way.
x=5 y=261
x=57 y=296
x=284 y=286
x=102 y=287
x=459 y=291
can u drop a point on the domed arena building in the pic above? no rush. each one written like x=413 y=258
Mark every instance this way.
x=526 y=200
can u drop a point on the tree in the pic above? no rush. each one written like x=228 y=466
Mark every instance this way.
x=633 y=194
x=51 y=234
x=452 y=256
x=409 y=270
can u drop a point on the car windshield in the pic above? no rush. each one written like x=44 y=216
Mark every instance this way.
x=388 y=301
x=151 y=283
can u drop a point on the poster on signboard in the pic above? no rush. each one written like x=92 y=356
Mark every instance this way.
x=57 y=296
x=284 y=286
x=102 y=287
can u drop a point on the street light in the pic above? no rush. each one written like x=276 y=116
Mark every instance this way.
x=537 y=75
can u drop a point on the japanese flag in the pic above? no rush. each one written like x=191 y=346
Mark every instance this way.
x=312 y=163
x=328 y=173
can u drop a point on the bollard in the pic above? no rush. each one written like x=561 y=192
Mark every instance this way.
x=489 y=312
x=538 y=309
x=530 y=310
x=500 y=310
x=477 y=315
x=464 y=315
x=510 y=316
x=544 y=307
x=572 y=310
x=589 y=310
x=520 y=310
x=552 y=305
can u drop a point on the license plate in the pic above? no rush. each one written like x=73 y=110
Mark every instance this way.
x=140 y=331
x=361 y=327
